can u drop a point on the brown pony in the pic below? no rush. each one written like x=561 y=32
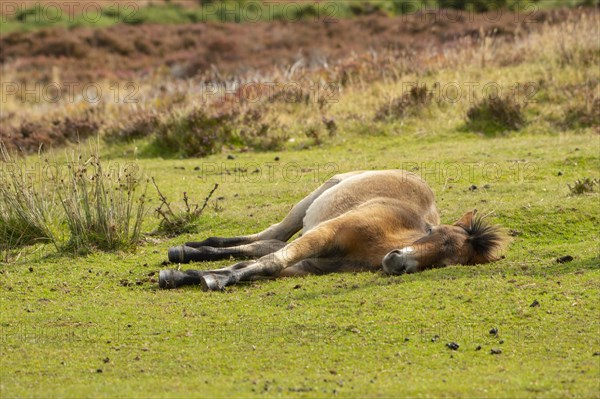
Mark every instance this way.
x=365 y=220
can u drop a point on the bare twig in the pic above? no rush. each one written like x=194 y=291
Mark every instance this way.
x=163 y=199
x=208 y=198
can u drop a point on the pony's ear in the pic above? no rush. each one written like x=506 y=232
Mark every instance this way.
x=466 y=220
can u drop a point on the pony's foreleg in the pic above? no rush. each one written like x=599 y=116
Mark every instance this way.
x=311 y=245
x=303 y=252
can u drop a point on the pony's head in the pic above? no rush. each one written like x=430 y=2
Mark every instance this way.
x=469 y=241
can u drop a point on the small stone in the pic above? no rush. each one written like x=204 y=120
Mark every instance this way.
x=230 y=157
x=564 y=259
x=31 y=269
x=494 y=331
x=473 y=187
x=560 y=173
x=478 y=348
x=494 y=351
x=277 y=158
x=534 y=304
x=98 y=370
x=452 y=345
x=435 y=338
x=106 y=360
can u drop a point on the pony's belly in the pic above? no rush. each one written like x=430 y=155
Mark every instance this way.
x=358 y=189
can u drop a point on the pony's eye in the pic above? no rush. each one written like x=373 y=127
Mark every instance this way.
x=429 y=230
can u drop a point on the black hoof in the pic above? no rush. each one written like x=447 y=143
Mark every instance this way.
x=212 y=282
x=167 y=279
x=177 y=254
x=175 y=278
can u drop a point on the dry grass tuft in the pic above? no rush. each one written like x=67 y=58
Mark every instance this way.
x=409 y=104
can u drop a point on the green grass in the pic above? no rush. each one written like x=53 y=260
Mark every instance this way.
x=63 y=319
x=339 y=334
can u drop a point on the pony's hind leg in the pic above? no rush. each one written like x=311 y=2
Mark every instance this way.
x=185 y=254
x=219 y=278
x=267 y=241
x=221 y=242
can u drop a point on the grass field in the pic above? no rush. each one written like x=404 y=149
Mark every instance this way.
x=96 y=325
x=70 y=328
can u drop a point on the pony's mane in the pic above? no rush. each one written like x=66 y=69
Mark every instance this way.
x=487 y=240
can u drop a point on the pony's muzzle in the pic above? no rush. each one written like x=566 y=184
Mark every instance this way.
x=400 y=261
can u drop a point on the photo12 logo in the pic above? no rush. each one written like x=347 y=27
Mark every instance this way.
x=70 y=92
x=454 y=91
x=252 y=172
x=465 y=10
x=271 y=10
x=55 y=172
x=55 y=12
x=64 y=332
x=473 y=172
x=248 y=332
x=467 y=332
